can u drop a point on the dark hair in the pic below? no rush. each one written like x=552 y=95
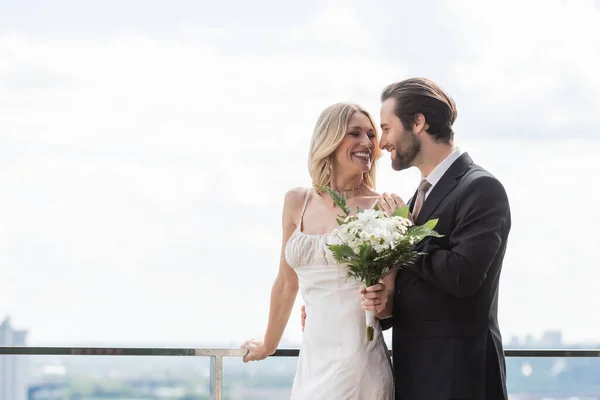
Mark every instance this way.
x=422 y=96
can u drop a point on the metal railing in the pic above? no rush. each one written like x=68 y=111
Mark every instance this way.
x=216 y=356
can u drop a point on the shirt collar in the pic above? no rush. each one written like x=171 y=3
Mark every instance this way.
x=439 y=171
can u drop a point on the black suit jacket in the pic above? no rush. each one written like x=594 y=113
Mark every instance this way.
x=446 y=339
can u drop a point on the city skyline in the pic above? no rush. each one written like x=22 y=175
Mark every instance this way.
x=67 y=376
x=548 y=338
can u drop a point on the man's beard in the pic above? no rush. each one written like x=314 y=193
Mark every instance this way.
x=406 y=150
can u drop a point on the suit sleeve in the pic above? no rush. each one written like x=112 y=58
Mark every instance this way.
x=386 y=323
x=482 y=223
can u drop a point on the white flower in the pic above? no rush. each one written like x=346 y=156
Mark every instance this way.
x=378 y=229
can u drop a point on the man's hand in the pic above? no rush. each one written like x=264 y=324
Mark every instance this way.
x=389 y=202
x=303 y=317
x=375 y=298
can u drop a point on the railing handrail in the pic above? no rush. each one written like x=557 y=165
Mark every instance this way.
x=216 y=356
x=228 y=352
x=122 y=351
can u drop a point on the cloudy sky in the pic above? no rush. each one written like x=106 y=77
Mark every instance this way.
x=145 y=150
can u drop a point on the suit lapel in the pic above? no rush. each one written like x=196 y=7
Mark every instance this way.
x=411 y=202
x=445 y=185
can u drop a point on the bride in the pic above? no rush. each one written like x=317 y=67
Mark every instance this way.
x=336 y=361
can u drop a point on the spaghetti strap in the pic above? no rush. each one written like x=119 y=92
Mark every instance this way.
x=303 y=209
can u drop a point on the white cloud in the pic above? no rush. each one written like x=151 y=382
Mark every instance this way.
x=534 y=60
x=143 y=169
x=142 y=179
x=339 y=24
x=139 y=93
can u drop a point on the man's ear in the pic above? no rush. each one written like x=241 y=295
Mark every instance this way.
x=420 y=124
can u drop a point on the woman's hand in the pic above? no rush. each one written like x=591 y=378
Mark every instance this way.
x=389 y=202
x=256 y=350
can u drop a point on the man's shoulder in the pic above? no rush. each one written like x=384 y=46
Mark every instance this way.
x=478 y=182
x=478 y=175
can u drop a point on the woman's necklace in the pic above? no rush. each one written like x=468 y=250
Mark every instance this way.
x=359 y=187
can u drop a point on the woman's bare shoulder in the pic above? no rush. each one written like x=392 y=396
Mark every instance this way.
x=295 y=195
x=294 y=199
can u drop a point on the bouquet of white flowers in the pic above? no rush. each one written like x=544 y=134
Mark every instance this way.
x=373 y=243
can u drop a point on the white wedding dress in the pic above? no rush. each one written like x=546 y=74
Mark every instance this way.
x=336 y=361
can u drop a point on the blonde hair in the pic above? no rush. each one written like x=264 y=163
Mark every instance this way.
x=330 y=130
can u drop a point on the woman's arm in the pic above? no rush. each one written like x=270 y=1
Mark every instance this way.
x=285 y=287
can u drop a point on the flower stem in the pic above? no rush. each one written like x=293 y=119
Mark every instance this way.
x=370 y=331
x=370 y=322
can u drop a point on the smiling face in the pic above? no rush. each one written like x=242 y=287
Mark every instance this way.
x=344 y=141
x=403 y=144
x=355 y=152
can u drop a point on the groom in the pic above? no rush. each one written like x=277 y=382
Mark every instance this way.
x=444 y=310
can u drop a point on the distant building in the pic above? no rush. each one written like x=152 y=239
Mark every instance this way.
x=513 y=343
x=13 y=369
x=529 y=341
x=551 y=339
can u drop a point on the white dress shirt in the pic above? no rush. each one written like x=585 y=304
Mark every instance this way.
x=434 y=177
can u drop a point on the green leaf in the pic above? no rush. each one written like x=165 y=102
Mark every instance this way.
x=359 y=210
x=366 y=252
x=420 y=232
x=376 y=208
x=342 y=250
x=401 y=212
x=338 y=199
x=431 y=223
